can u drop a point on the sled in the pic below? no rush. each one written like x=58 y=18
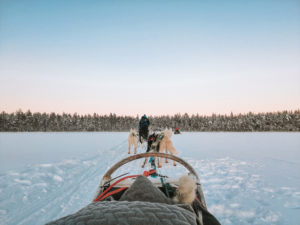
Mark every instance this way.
x=142 y=199
x=109 y=184
x=107 y=179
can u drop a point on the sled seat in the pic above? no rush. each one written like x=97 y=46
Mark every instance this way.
x=141 y=204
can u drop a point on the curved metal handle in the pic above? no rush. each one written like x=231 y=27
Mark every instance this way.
x=107 y=175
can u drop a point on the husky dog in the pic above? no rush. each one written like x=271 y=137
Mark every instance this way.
x=167 y=145
x=132 y=140
x=161 y=142
x=186 y=191
x=168 y=132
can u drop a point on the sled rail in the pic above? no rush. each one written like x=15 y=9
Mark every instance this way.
x=107 y=175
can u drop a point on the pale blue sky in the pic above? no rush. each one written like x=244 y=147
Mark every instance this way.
x=153 y=57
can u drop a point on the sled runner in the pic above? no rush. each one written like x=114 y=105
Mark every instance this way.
x=147 y=198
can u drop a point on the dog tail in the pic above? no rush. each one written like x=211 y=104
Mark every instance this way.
x=169 y=145
x=171 y=148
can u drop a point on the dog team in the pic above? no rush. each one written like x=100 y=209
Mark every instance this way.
x=161 y=142
x=156 y=141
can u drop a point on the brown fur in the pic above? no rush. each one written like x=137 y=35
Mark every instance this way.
x=165 y=145
x=132 y=140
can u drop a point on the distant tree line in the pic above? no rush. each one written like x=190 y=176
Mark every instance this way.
x=28 y=121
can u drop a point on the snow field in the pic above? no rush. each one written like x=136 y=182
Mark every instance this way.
x=235 y=191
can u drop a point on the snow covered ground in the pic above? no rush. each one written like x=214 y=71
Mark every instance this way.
x=248 y=178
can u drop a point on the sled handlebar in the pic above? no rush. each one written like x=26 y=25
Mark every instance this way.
x=107 y=175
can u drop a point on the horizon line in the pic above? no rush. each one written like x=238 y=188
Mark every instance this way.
x=181 y=114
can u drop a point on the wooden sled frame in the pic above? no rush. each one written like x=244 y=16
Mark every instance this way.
x=107 y=176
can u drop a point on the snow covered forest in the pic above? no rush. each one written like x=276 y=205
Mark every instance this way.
x=28 y=121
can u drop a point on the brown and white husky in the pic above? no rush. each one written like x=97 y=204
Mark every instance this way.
x=133 y=139
x=161 y=142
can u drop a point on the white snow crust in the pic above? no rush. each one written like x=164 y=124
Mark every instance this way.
x=238 y=190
